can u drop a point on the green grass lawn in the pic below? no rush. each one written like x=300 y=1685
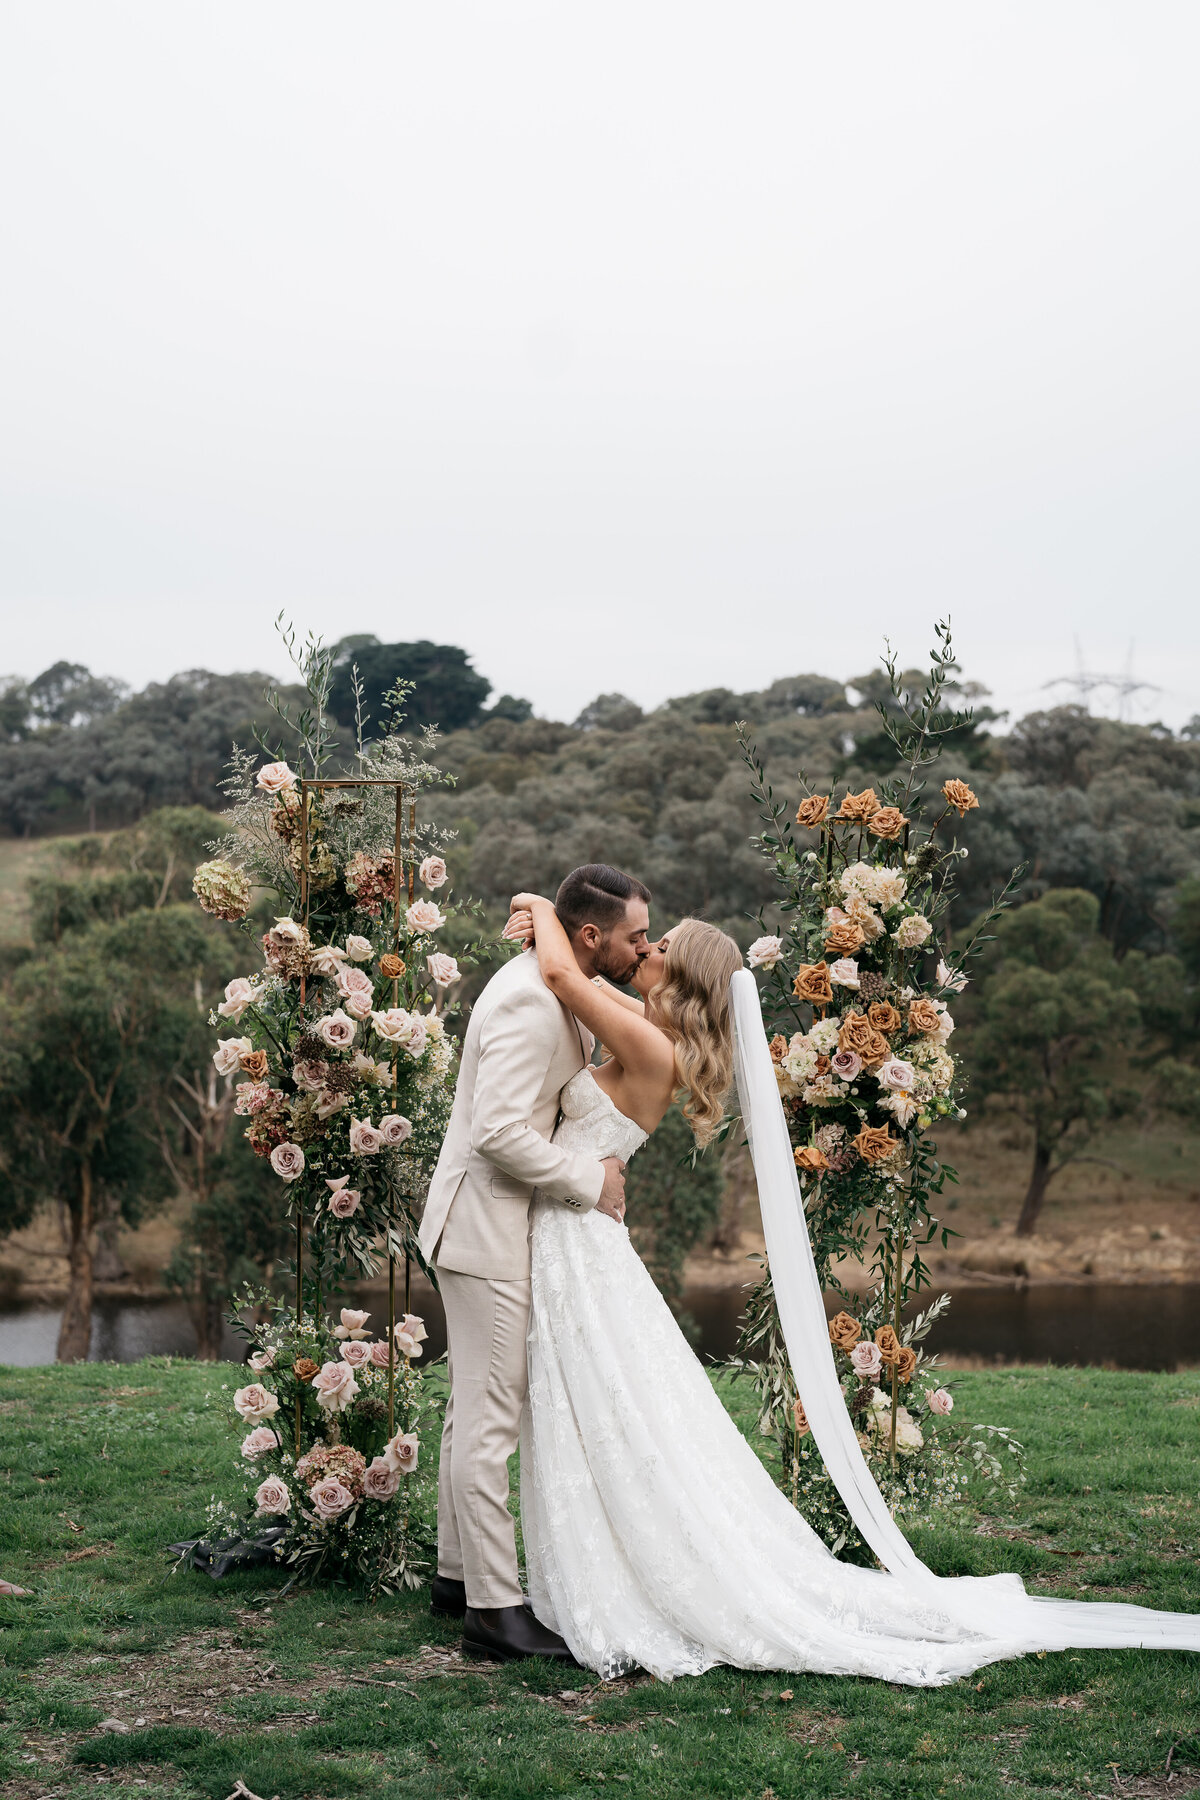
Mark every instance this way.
x=321 y=1695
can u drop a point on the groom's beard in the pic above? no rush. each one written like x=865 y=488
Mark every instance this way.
x=616 y=964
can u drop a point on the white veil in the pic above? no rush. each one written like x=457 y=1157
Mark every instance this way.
x=991 y=1606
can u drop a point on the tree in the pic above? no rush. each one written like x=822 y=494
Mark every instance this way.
x=1056 y=1021
x=448 y=692
x=102 y=1020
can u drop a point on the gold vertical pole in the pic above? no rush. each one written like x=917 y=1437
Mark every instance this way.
x=303 y=996
x=412 y=861
x=397 y=892
x=898 y=1281
x=299 y=1299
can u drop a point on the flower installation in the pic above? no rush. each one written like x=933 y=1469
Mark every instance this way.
x=336 y=1040
x=858 y=988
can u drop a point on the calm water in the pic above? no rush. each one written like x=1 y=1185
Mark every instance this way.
x=1125 y=1327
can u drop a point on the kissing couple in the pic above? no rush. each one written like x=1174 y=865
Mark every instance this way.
x=653 y=1535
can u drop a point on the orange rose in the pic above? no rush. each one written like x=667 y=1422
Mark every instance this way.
x=801 y=1419
x=809 y=1158
x=959 y=796
x=812 y=984
x=906 y=1362
x=304 y=1368
x=255 y=1064
x=812 y=812
x=824 y=1064
x=778 y=1047
x=843 y=939
x=887 y=823
x=924 y=1017
x=875 y=1143
x=859 y=1035
x=391 y=966
x=858 y=808
x=888 y=1345
x=883 y=1016
x=844 y=1331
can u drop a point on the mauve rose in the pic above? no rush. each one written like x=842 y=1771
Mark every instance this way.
x=846 y=1065
x=336 y=1029
x=329 y=1498
x=941 y=1401
x=364 y=1139
x=329 y=1103
x=358 y=949
x=309 y=1076
x=335 y=1386
x=354 y=981
x=261 y=1359
x=394 y=1129
x=442 y=968
x=271 y=1496
x=258 y=1442
x=255 y=1403
x=326 y=959
x=865 y=1359
x=352 y=1322
x=359 y=1005
x=356 y=1353
x=380 y=1480
x=273 y=777
x=379 y=1355
x=400 y=1452
x=433 y=872
x=287 y=1160
x=424 y=916
x=896 y=1074
x=344 y=1202
x=228 y=1054
x=764 y=952
x=239 y=994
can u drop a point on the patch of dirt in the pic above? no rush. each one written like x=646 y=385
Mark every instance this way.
x=805 y=1726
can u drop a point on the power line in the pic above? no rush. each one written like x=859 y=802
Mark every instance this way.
x=1085 y=682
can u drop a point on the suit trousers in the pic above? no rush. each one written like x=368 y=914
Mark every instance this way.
x=486 y=1326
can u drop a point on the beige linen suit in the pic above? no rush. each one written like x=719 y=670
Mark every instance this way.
x=522 y=1047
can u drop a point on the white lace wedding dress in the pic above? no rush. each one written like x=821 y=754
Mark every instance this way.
x=654 y=1537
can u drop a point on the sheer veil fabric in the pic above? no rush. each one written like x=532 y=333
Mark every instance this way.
x=995 y=1607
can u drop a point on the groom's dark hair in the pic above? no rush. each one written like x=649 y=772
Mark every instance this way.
x=596 y=895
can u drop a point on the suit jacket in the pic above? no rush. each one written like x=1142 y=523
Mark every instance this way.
x=522 y=1047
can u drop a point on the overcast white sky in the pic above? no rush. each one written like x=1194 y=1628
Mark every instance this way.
x=651 y=345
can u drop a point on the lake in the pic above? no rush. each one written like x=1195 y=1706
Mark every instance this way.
x=1105 y=1324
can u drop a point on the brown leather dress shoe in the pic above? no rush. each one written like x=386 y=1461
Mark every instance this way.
x=511 y=1634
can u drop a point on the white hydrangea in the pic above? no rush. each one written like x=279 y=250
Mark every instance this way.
x=824 y=1036
x=912 y=931
x=800 y=1063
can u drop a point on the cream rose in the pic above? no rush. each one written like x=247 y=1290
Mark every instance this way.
x=395 y=1026
x=433 y=872
x=424 y=916
x=352 y=1323
x=354 y=981
x=400 y=1452
x=865 y=1359
x=941 y=1400
x=274 y=777
x=356 y=1354
x=359 y=1006
x=358 y=949
x=326 y=959
x=287 y=1160
x=844 y=972
x=443 y=969
x=365 y=1140
x=260 y=1360
x=953 y=981
x=335 y=1386
x=329 y=1498
x=380 y=1481
x=239 y=994
x=764 y=952
x=336 y=1029
x=227 y=1057
x=410 y=1335
x=255 y=1403
x=271 y=1496
x=894 y=1073
x=258 y=1442
x=395 y=1129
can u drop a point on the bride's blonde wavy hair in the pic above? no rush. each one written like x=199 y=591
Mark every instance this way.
x=691 y=1004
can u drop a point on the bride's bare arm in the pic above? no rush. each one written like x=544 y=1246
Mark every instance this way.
x=619 y=1023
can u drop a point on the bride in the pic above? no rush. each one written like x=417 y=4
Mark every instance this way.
x=654 y=1536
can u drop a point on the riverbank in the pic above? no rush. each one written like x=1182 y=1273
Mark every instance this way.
x=318 y=1695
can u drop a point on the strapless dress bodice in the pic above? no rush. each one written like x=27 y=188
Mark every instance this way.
x=591 y=1124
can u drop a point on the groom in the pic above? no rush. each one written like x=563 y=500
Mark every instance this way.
x=521 y=1049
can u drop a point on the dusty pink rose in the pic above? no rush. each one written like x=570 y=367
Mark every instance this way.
x=433 y=872
x=941 y=1401
x=239 y=994
x=410 y=1335
x=271 y=1496
x=287 y=1160
x=229 y=1052
x=344 y=1201
x=335 y=1386
x=394 y=1129
x=380 y=1480
x=865 y=1359
x=396 y=1026
x=379 y=1355
x=309 y=1076
x=359 y=1005
x=400 y=1452
x=274 y=777
x=258 y=1442
x=352 y=1324
x=424 y=916
x=329 y=1103
x=365 y=1140
x=262 y=1359
x=356 y=1353
x=354 y=981
x=896 y=1074
x=844 y=972
x=329 y=1498
x=846 y=1065
x=764 y=952
x=336 y=1029
x=255 y=1403
x=442 y=968
x=358 y=949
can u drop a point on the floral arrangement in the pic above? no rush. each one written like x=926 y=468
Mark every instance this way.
x=337 y=1041
x=858 y=990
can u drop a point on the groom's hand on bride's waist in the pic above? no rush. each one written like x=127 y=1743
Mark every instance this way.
x=612 y=1194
